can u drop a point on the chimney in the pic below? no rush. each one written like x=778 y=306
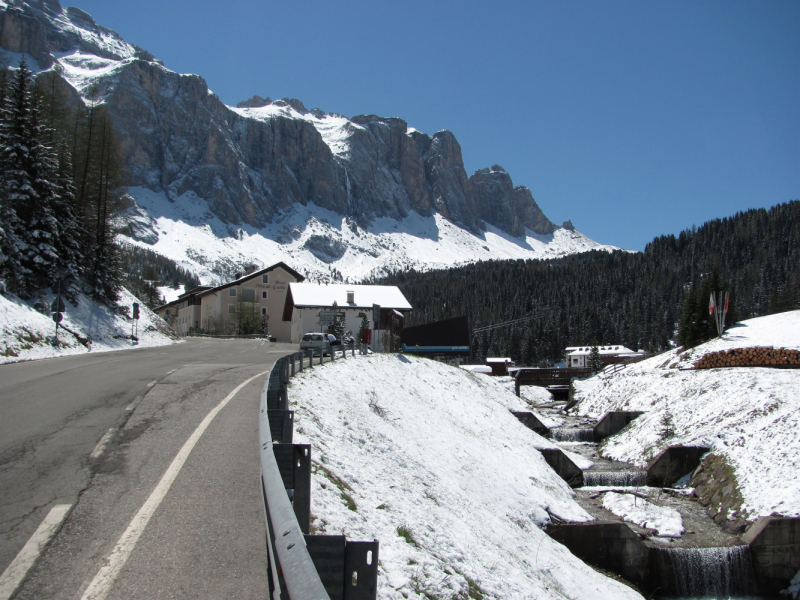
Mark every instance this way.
x=238 y=276
x=351 y=297
x=250 y=269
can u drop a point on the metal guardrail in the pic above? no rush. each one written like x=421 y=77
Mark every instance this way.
x=303 y=566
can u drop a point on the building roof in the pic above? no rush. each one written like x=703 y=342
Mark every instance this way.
x=604 y=351
x=254 y=274
x=193 y=291
x=315 y=295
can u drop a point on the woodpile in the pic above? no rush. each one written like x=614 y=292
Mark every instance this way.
x=750 y=357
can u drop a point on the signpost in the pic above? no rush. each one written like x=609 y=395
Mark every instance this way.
x=135 y=323
x=57 y=308
x=328 y=317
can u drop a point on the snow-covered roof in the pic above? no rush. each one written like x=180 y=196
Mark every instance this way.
x=315 y=295
x=604 y=350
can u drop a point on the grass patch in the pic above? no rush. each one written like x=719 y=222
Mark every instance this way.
x=405 y=533
x=27 y=336
x=344 y=489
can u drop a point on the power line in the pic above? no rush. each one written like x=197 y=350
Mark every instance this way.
x=512 y=322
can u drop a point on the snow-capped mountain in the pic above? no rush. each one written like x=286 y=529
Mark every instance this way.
x=215 y=187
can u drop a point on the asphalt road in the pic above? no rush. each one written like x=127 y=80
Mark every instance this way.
x=98 y=432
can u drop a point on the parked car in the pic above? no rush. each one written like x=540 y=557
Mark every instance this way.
x=315 y=341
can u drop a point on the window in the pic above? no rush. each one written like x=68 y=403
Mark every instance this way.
x=265 y=279
x=248 y=295
x=231 y=309
x=264 y=294
x=263 y=310
x=232 y=291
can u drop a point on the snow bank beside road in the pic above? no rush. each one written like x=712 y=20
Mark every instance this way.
x=749 y=415
x=26 y=334
x=428 y=459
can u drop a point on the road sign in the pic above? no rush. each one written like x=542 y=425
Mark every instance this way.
x=376 y=314
x=326 y=320
x=57 y=317
x=135 y=310
x=330 y=313
x=58 y=305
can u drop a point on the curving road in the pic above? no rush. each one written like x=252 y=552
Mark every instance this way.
x=97 y=433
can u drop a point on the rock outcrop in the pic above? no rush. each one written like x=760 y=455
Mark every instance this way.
x=253 y=166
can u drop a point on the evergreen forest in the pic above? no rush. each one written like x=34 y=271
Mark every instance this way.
x=649 y=300
x=145 y=270
x=60 y=183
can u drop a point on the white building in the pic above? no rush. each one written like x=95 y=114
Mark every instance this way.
x=304 y=302
x=578 y=357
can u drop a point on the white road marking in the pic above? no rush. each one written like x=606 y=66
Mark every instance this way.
x=206 y=346
x=134 y=404
x=107 y=575
x=101 y=445
x=152 y=383
x=171 y=372
x=16 y=571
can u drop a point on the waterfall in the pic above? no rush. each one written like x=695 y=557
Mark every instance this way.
x=614 y=478
x=706 y=572
x=566 y=434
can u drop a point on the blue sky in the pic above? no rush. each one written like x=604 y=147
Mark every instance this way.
x=632 y=119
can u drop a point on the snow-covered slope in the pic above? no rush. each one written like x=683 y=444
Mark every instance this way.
x=319 y=242
x=27 y=334
x=428 y=459
x=748 y=415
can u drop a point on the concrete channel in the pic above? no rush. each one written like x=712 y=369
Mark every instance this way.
x=707 y=560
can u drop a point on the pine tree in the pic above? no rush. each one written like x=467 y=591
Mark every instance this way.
x=361 y=328
x=595 y=362
x=338 y=323
x=19 y=195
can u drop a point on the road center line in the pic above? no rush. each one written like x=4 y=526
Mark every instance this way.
x=152 y=383
x=101 y=445
x=16 y=571
x=171 y=372
x=102 y=582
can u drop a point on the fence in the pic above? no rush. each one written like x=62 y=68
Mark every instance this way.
x=303 y=566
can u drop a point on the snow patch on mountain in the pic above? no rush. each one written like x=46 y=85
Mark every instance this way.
x=334 y=129
x=320 y=243
x=749 y=415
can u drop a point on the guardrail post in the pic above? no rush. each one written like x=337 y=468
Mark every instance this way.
x=281 y=425
x=300 y=356
x=348 y=570
x=321 y=356
x=294 y=464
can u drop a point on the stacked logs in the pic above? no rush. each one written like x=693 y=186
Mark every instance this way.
x=750 y=357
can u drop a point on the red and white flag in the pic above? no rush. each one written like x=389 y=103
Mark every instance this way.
x=711 y=305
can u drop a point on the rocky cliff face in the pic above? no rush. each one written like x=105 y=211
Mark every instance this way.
x=254 y=162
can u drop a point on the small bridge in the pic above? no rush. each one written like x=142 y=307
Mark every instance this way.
x=547 y=377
